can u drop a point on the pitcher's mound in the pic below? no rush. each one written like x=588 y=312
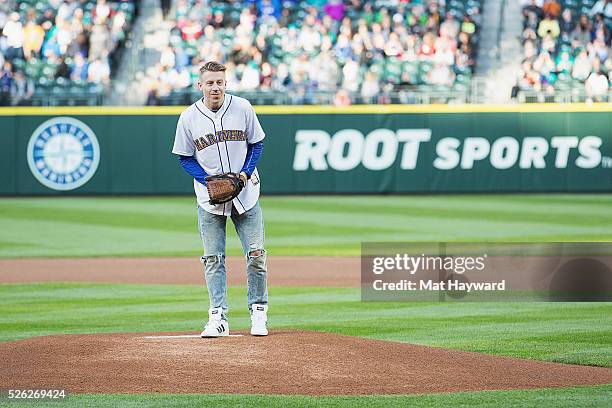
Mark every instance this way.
x=286 y=362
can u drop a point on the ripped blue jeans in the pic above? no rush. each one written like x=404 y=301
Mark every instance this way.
x=250 y=229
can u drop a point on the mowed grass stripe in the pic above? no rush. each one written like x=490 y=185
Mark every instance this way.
x=556 y=214
x=450 y=229
x=103 y=217
x=135 y=204
x=99 y=241
x=56 y=239
x=595 y=200
x=170 y=204
x=330 y=225
x=177 y=223
x=521 y=201
x=395 y=205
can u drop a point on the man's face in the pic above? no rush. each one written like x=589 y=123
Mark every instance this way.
x=212 y=85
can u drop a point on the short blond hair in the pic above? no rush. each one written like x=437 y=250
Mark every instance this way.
x=212 y=66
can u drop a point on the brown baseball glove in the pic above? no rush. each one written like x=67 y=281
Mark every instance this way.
x=223 y=187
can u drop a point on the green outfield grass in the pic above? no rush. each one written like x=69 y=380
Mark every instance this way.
x=336 y=225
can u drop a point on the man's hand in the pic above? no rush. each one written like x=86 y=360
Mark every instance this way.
x=243 y=176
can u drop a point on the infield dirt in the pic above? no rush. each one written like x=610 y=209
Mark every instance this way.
x=286 y=362
x=282 y=271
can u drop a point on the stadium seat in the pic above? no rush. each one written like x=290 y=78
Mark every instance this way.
x=38 y=69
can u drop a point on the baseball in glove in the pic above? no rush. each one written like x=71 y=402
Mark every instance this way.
x=223 y=187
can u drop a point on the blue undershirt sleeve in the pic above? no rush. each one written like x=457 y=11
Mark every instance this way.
x=193 y=168
x=252 y=157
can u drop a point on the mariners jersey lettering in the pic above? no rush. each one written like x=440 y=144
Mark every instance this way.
x=219 y=141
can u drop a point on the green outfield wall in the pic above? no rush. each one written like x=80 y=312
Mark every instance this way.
x=389 y=149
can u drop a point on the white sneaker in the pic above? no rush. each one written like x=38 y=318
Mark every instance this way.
x=259 y=320
x=216 y=326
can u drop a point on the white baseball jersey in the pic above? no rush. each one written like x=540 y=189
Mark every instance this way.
x=218 y=140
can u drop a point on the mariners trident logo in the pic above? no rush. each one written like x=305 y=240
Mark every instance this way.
x=63 y=153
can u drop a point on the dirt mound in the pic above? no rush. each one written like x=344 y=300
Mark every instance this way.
x=286 y=362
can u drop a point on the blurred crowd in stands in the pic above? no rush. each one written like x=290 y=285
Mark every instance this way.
x=358 y=49
x=566 y=46
x=47 y=43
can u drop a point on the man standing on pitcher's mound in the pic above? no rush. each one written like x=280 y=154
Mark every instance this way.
x=219 y=141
